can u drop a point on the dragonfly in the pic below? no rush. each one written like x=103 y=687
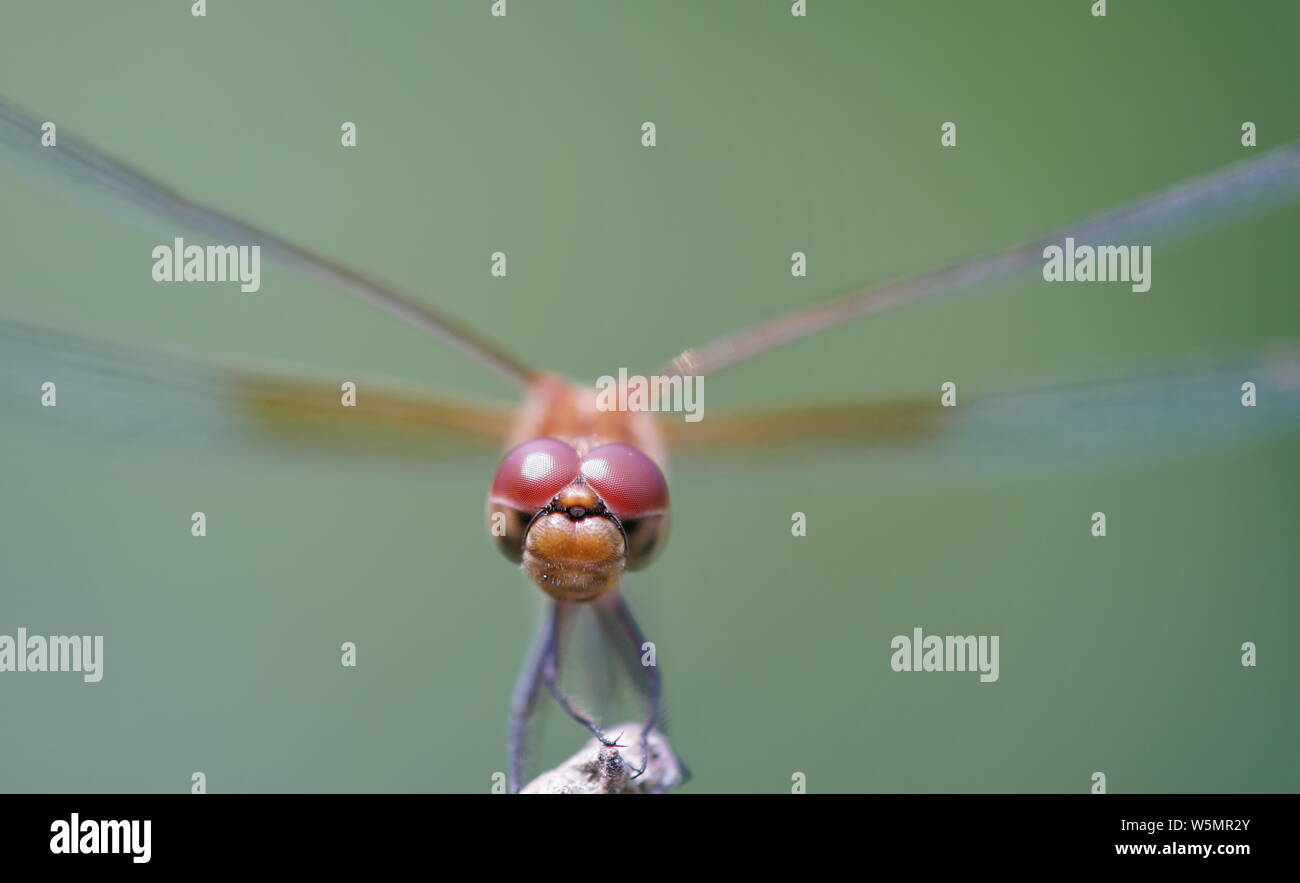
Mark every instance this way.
x=581 y=498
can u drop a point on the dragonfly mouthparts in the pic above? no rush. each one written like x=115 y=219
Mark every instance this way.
x=577 y=501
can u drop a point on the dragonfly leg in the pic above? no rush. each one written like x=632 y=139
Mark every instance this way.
x=550 y=666
x=654 y=686
x=523 y=701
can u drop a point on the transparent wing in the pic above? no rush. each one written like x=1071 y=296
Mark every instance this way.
x=100 y=175
x=1167 y=413
x=1242 y=188
x=109 y=395
x=1161 y=412
x=859 y=421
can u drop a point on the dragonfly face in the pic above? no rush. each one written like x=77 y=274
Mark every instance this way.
x=576 y=515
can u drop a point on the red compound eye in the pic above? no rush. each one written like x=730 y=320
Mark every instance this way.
x=534 y=472
x=627 y=480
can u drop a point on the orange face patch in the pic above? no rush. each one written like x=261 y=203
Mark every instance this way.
x=574 y=559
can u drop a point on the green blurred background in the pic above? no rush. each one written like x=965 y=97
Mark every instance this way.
x=775 y=134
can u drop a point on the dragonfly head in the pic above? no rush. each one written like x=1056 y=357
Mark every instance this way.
x=576 y=522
